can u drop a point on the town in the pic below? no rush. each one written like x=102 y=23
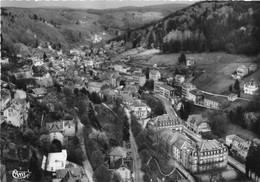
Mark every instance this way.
x=94 y=114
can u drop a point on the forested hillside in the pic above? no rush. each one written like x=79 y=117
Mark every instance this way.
x=63 y=28
x=233 y=27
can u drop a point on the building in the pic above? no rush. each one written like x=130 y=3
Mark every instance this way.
x=208 y=155
x=251 y=88
x=4 y=61
x=238 y=145
x=242 y=70
x=95 y=86
x=39 y=93
x=165 y=121
x=125 y=174
x=196 y=96
x=54 y=161
x=16 y=113
x=179 y=79
x=164 y=90
x=72 y=174
x=139 y=78
x=186 y=89
x=117 y=153
x=140 y=109
x=232 y=97
x=195 y=156
x=66 y=127
x=154 y=75
x=190 y=62
x=121 y=68
x=211 y=101
x=198 y=124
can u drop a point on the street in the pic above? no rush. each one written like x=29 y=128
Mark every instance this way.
x=86 y=164
x=137 y=164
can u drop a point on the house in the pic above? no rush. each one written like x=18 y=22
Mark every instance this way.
x=129 y=89
x=211 y=101
x=190 y=62
x=4 y=61
x=140 y=109
x=139 y=78
x=242 y=70
x=165 y=121
x=125 y=174
x=198 y=124
x=121 y=68
x=154 y=75
x=66 y=127
x=196 y=96
x=117 y=153
x=95 y=86
x=179 y=79
x=17 y=112
x=232 y=97
x=239 y=145
x=39 y=93
x=72 y=174
x=54 y=161
x=251 y=88
x=164 y=90
x=20 y=94
x=44 y=80
x=186 y=89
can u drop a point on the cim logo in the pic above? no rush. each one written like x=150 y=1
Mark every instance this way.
x=20 y=174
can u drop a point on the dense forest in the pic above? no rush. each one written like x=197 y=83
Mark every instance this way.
x=233 y=27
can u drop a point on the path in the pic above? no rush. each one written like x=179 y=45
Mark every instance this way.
x=159 y=167
x=86 y=164
x=137 y=163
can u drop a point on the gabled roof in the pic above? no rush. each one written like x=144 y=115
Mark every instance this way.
x=154 y=72
x=118 y=151
x=39 y=91
x=74 y=172
x=196 y=119
x=54 y=127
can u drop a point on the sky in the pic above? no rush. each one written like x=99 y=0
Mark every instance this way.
x=87 y=4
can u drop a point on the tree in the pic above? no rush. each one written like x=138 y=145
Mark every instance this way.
x=102 y=174
x=116 y=177
x=182 y=59
x=126 y=134
x=237 y=85
x=147 y=71
x=84 y=91
x=230 y=88
x=76 y=91
x=96 y=159
x=44 y=56
x=218 y=122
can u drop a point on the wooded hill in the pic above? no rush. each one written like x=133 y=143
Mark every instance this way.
x=233 y=27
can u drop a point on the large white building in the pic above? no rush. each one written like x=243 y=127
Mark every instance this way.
x=54 y=161
x=251 y=88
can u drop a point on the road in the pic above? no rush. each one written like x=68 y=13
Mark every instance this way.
x=168 y=107
x=237 y=165
x=86 y=164
x=137 y=164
